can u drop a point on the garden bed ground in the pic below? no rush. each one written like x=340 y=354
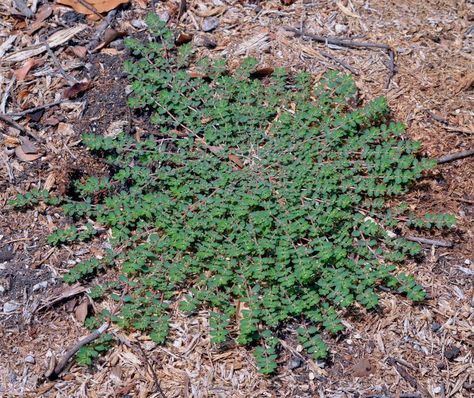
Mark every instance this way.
x=403 y=349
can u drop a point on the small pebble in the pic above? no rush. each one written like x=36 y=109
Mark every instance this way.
x=452 y=353
x=299 y=348
x=72 y=17
x=138 y=23
x=311 y=376
x=436 y=390
x=149 y=345
x=204 y=41
x=467 y=261
x=41 y=285
x=435 y=326
x=441 y=365
x=295 y=363
x=30 y=359
x=118 y=44
x=164 y=16
x=209 y=24
x=340 y=28
x=10 y=306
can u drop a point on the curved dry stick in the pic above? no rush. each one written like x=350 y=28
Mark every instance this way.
x=354 y=44
x=456 y=156
x=70 y=353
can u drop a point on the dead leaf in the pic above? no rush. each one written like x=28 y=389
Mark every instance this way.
x=26 y=157
x=195 y=74
x=27 y=146
x=44 y=12
x=287 y=2
x=362 y=368
x=76 y=89
x=99 y=5
x=79 y=51
x=81 y=311
x=262 y=72
x=235 y=159
x=466 y=82
x=51 y=121
x=109 y=36
x=27 y=66
x=183 y=38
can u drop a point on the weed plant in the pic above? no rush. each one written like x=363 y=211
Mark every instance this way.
x=262 y=200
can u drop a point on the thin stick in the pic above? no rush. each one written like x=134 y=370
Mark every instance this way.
x=70 y=79
x=90 y=8
x=36 y=108
x=70 y=353
x=11 y=122
x=432 y=242
x=18 y=126
x=455 y=156
x=101 y=29
x=352 y=44
x=340 y=62
x=3 y=105
x=446 y=124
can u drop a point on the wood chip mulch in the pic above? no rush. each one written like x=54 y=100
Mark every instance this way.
x=60 y=76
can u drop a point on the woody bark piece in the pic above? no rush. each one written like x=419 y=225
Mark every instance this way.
x=56 y=39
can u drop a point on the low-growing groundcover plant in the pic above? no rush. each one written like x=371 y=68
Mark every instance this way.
x=263 y=201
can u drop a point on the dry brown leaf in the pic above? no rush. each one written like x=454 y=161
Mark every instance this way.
x=235 y=159
x=26 y=157
x=287 y=2
x=99 y=5
x=27 y=66
x=76 y=89
x=466 y=82
x=262 y=72
x=79 y=51
x=44 y=12
x=183 y=38
x=27 y=146
x=362 y=368
x=81 y=311
x=109 y=36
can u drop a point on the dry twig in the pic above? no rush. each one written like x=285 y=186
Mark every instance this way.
x=71 y=352
x=340 y=62
x=100 y=30
x=455 y=156
x=432 y=242
x=11 y=122
x=352 y=44
x=36 y=108
x=51 y=53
